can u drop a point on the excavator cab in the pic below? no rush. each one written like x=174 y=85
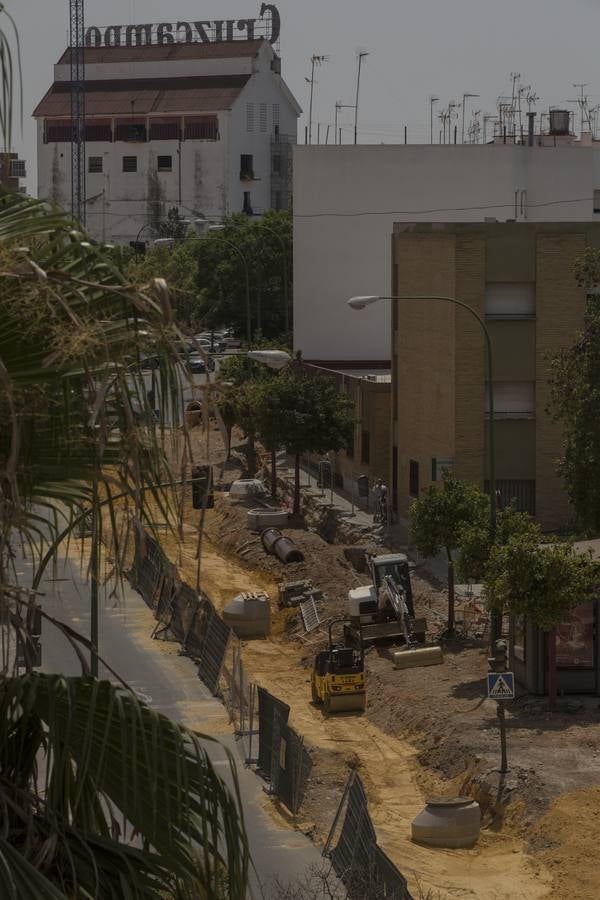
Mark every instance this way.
x=338 y=675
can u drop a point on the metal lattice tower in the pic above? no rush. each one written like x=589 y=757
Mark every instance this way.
x=76 y=44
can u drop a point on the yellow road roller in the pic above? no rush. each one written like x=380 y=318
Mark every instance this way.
x=338 y=675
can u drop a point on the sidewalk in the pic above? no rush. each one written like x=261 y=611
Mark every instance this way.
x=394 y=538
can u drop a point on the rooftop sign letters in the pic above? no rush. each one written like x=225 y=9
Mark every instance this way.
x=267 y=25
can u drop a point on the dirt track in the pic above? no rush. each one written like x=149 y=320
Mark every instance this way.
x=498 y=867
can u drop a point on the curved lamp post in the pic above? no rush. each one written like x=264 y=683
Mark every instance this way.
x=234 y=246
x=362 y=302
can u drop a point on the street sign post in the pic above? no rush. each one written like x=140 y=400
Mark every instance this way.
x=501 y=685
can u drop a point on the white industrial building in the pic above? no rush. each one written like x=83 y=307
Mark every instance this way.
x=207 y=128
x=347 y=199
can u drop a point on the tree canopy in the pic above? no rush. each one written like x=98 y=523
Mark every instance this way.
x=266 y=247
x=542 y=582
x=440 y=515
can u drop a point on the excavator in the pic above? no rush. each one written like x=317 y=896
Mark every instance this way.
x=338 y=675
x=384 y=610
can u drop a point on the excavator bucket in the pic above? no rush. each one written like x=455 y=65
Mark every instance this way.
x=346 y=702
x=423 y=656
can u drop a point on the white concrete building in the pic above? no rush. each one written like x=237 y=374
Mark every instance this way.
x=347 y=198
x=203 y=127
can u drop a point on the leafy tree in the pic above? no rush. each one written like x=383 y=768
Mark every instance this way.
x=303 y=414
x=266 y=246
x=438 y=519
x=475 y=543
x=178 y=265
x=174 y=226
x=575 y=402
x=542 y=582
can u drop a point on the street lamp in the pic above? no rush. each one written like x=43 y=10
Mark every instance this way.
x=219 y=228
x=368 y=300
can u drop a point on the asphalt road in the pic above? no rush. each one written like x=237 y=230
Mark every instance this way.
x=169 y=683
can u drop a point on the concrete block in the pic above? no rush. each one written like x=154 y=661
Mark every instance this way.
x=450 y=822
x=249 y=615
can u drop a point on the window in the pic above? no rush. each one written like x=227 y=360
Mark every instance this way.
x=413 y=478
x=277 y=200
x=276 y=115
x=263 y=117
x=164 y=163
x=246 y=167
x=130 y=163
x=365 y=447
x=247 y=207
x=201 y=128
x=512 y=400
x=575 y=639
x=520 y=491
x=17 y=168
x=250 y=117
x=510 y=300
x=94 y=164
x=597 y=201
x=276 y=164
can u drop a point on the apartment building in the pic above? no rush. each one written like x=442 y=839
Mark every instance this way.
x=519 y=278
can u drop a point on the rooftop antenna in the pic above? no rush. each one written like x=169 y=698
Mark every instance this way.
x=487 y=117
x=432 y=100
x=361 y=55
x=76 y=46
x=582 y=102
x=466 y=97
x=315 y=60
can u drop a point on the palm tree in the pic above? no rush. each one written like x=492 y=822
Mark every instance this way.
x=100 y=796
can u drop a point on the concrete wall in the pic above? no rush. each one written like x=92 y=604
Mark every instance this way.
x=347 y=198
x=265 y=89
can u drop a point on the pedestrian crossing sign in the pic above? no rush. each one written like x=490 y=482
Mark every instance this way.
x=501 y=685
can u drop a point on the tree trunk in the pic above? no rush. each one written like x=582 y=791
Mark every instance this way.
x=551 y=654
x=274 y=474
x=296 y=509
x=229 y=429
x=450 y=627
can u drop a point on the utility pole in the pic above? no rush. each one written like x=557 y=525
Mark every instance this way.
x=77 y=51
x=464 y=103
x=582 y=103
x=432 y=100
x=361 y=56
x=315 y=60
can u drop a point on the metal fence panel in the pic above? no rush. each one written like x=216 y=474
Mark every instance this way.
x=352 y=851
x=291 y=765
x=214 y=650
x=267 y=704
x=366 y=871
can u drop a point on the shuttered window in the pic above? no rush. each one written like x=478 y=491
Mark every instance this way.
x=512 y=400
x=510 y=300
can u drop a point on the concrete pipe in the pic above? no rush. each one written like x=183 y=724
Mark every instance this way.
x=284 y=548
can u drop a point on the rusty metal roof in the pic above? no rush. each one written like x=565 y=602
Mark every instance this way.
x=152 y=53
x=148 y=95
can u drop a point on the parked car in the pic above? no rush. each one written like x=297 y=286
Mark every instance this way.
x=197 y=365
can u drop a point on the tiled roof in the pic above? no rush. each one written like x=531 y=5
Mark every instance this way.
x=152 y=53
x=148 y=95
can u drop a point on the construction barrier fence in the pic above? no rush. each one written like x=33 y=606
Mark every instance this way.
x=181 y=612
x=190 y=618
x=358 y=861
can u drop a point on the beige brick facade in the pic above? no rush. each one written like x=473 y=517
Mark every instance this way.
x=439 y=360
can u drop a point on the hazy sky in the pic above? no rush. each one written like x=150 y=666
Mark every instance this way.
x=418 y=49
